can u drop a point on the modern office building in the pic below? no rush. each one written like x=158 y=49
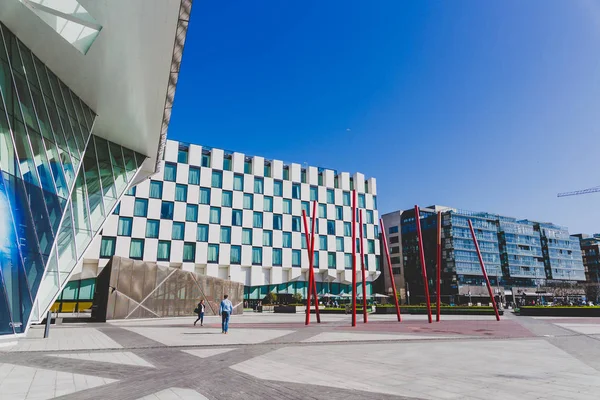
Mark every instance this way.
x=85 y=97
x=590 y=249
x=239 y=217
x=520 y=255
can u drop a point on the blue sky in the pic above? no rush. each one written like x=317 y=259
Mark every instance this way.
x=489 y=106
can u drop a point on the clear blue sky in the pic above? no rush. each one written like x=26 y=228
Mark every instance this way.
x=491 y=106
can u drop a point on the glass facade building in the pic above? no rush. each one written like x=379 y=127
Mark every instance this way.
x=518 y=254
x=58 y=183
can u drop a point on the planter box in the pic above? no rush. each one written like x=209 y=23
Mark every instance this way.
x=443 y=310
x=560 y=311
x=285 y=309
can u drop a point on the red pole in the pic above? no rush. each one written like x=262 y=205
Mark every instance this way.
x=362 y=266
x=485 y=276
x=354 y=258
x=310 y=262
x=389 y=262
x=423 y=266
x=312 y=255
x=439 y=265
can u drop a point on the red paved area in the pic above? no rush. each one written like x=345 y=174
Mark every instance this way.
x=499 y=329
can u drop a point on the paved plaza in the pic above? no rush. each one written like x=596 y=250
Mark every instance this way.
x=274 y=356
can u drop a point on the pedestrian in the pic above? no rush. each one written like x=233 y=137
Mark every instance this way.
x=225 y=311
x=200 y=311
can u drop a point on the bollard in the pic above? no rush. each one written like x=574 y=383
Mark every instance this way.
x=48 y=320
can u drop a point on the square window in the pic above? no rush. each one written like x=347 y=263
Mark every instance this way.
x=182 y=155
x=215 y=215
x=257 y=220
x=204 y=196
x=347 y=229
x=348 y=261
x=125 y=225
x=189 y=252
x=339 y=244
x=140 y=208
x=235 y=255
x=164 y=250
x=361 y=200
x=180 y=193
x=322 y=211
x=331 y=227
x=136 y=249
x=314 y=193
x=257 y=256
x=295 y=191
x=277 y=257
x=202 y=233
x=170 y=172
x=322 y=242
x=217 y=179
x=346 y=198
x=267 y=170
x=331 y=260
x=369 y=217
x=287 y=240
x=268 y=238
x=248 y=201
x=287 y=206
x=152 y=228
x=213 y=253
x=278 y=188
x=247 y=236
x=178 y=231
x=306 y=208
x=107 y=247
x=191 y=213
x=166 y=210
x=156 y=189
x=238 y=182
x=225 y=234
x=286 y=173
x=268 y=204
x=339 y=213
x=248 y=166
x=205 y=159
x=194 y=176
x=330 y=196
x=236 y=217
x=131 y=191
x=296 y=224
x=227 y=163
x=226 y=198
x=296 y=258
x=258 y=185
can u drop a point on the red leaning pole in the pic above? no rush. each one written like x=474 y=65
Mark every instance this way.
x=312 y=258
x=354 y=258
x=310 y=271
x=485 y=276
x=362 y=267
x=389 y=262
x=423 y=266
x=439 y=266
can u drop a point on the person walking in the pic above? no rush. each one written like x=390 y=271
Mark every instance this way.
x=225 y=311
x=200 y=312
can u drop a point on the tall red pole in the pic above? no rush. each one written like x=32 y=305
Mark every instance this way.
x=439 y=265
x=354 y=258
x=310 y=266
x=423 y=266
x=485 y=276
x=312 y=255
x=362 y=266
x=389 y=262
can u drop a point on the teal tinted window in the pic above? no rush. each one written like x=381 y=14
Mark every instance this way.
x=204 y=196
x=125 y=225
x=180 y=193
x=226 y=198
x=189 y=252
x=191 y=213
x=213 y=253
x=164 y=250
x=140 y=208
x=202 y=233
x=107 y=247
x=247 y=236
x=170 y=172
x=178 y=231
x=194 y=176
x=238 y=182
x=152 y=228
x=225 y=234
x=136 y=249
x=156 y=189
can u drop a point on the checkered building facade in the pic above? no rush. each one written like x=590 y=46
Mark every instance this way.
x=239 y=217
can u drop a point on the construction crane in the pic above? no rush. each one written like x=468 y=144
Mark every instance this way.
x=578 y=192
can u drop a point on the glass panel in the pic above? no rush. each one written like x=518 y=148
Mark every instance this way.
x=94 y=190
x=130 y=163
x=109 y=191
x=83 y=232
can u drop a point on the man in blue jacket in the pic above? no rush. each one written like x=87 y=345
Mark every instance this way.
x=225 y=311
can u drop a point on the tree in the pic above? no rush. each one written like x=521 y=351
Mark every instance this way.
x=270 y=298
x=297 y=298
